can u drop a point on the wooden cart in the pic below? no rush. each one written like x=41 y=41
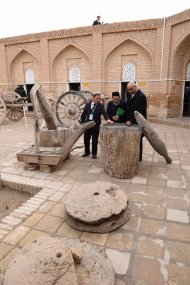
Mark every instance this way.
x=12 y=106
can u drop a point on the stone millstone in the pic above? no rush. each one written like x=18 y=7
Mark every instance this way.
x=48 y=260
x=104 y=227
x=95 y=202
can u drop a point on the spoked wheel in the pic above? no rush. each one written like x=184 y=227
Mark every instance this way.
x=86 y=94
x=3 y=111
x=15 y=113
x=12 y=100
x=69 y=107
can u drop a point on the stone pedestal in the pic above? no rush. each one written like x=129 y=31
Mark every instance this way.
x=120 y=149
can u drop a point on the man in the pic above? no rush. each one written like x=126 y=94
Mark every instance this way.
x=116 y=109
x=97 y=21
x=137 y=102
x=92 y=112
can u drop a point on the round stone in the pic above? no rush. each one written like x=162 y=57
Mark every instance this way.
x=49 y=261
x=95 y=202
x=104 y=227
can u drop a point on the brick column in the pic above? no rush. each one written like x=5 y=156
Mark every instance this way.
x=97 y=62
x=3 y=66
x=44 y=56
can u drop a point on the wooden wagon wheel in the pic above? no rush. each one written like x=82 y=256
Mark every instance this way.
x=15 y=113
x=12 y=99
x=3 y=111
x=86 y=94
x=69 y=107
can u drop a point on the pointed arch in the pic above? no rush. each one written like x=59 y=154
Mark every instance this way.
x=70 y=64
x=69 y=46
x=178 y=67
x=129 y=39
x=127 y=60
x=20 y=67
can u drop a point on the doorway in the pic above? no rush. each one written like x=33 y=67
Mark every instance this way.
x=186 y=100
x=124 y=93
x=124 y=90
x=28 y=88
x=74 y=87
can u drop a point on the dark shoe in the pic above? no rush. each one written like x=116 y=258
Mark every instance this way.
x=85 y=154
x=94 y=156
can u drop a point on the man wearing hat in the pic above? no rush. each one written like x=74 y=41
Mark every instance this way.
x=116 y=108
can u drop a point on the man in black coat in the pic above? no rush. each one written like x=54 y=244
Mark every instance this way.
x=137 y=102
x=97 y=21
x=92 y=112
x=116 y=109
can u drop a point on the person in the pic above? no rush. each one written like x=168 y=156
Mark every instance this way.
x=116 y=109
x=137 y=102
x=20 y=90
x=97 y=21
x=92 y=112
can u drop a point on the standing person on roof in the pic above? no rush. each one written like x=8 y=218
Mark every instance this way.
x=97 y=21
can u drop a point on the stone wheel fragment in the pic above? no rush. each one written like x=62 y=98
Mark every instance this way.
x=48 y=261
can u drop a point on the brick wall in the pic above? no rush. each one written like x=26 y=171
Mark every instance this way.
x=101 y=52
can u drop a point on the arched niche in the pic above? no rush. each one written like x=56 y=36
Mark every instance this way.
x=21 y=65
x=63 y=63
x=180 y=59
x=127 y=52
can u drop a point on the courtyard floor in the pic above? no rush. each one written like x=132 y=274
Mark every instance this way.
x=153 y=248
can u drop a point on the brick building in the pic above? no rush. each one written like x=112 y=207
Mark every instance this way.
x=104 y=58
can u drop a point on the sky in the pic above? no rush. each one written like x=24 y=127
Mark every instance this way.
x=20 y=17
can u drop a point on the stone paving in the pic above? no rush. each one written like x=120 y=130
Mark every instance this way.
x=153 y=248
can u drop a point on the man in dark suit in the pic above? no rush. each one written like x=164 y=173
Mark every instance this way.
x=116 y=109
x=97 y=21
x=92 y=112
x=137 y=102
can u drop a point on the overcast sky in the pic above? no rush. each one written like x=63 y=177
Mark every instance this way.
x=20 y=17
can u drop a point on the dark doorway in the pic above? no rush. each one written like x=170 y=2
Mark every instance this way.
x=124 y=93
x=74 y=86
x=28 y=88
x=124 y=90
x=186 y=101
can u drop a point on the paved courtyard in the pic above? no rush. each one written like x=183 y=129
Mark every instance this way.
x=153 y=248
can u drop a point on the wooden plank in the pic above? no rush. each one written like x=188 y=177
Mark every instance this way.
x=46 y=111
x=37 y=124
x=38 y=158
